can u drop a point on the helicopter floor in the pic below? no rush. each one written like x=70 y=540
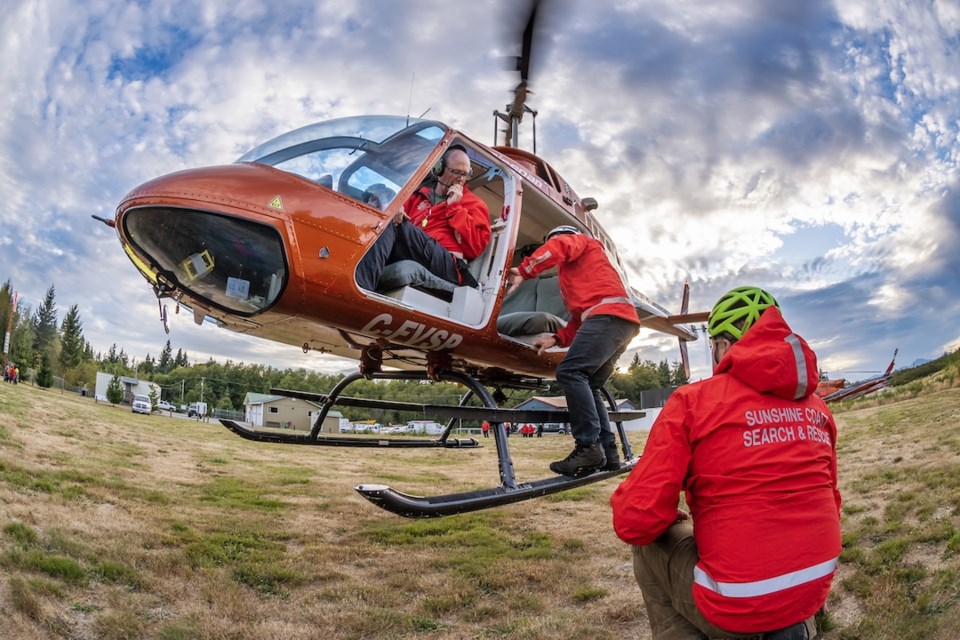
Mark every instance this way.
x=345 y=441
x=410 y=506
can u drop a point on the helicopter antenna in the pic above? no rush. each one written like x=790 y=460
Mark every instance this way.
x=410 y=101
x=516 y=108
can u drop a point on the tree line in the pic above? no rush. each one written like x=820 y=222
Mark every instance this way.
x=53 y=347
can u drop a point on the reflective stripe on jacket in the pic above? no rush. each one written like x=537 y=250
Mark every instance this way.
x=754 y=450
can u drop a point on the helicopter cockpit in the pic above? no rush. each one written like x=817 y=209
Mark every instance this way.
x=371 y=159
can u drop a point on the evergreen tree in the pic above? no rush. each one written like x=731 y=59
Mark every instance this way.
x=664 y=376
x=679 y=375
x=45 y=374
x=22 y=340
x=112 y=354
x=115 y=390
x=148 y=366
x=166 y=361
x=71 y=339
x=45 y=324
x=181 y=359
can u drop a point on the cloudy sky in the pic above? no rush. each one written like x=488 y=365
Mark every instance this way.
x=807 y=147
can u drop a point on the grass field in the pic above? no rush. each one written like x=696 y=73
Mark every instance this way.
x=115 y=525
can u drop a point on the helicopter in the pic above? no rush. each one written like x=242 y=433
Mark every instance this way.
x=269 y=246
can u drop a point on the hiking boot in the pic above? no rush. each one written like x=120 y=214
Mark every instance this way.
x=793 y=632
x=612 y=456
x=584 y=459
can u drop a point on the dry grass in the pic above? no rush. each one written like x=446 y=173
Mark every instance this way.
x=115 y=525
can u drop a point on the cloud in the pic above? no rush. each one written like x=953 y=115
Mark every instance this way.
x=810 y=148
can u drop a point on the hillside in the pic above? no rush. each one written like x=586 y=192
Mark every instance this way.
x=115 y=525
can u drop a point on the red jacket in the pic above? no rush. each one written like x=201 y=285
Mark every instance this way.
x=754 y=449
x=463 y=227
x=588 y=282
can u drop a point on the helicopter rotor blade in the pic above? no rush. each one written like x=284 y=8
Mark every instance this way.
x=523 y=62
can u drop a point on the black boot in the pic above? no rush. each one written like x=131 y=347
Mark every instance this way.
x=793 y=632
x=612 y=456
x=584 y=459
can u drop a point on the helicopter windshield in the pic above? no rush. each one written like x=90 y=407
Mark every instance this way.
x=368 y=158
x=234 y=264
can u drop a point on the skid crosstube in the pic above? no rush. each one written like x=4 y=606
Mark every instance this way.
x=451 y=412
x=340 y=441
x=410 y=506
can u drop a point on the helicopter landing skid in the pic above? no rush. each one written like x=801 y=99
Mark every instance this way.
x=509 y=490
x=410 y=506
x=335 y=441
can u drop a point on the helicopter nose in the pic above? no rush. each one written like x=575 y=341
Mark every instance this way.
x=235 y=264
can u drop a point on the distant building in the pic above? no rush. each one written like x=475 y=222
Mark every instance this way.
x=559 y=403
x=282 y=412
x=554 y=403
x=131 y=387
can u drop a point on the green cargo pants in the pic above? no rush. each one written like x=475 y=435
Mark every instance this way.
x=664 y=571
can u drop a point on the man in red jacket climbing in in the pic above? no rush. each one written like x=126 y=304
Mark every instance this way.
x=753 y=449
x=603 y=321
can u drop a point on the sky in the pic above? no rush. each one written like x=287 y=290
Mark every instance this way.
x=810 y=148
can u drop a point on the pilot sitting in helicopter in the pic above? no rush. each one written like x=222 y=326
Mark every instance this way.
x=442 y=225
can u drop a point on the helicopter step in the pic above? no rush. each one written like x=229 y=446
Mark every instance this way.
x=336 y=441
x=410 y=506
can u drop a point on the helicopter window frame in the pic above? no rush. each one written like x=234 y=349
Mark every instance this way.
x=394 y=160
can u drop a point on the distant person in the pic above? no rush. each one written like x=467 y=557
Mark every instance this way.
x=485 y=429
x=603 y=321
x=754 y=450
x=442 y=225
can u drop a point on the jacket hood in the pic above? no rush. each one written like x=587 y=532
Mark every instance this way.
x=772 y=359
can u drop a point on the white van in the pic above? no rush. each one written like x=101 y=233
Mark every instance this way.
x=142 y=404
x=197 y=409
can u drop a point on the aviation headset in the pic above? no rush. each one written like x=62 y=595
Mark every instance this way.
x=441 y=165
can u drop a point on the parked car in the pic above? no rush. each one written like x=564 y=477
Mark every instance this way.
x=554 y=427
x=142 y=404
x=163 y=405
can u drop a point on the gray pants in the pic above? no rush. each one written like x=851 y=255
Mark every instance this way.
x=664 y=571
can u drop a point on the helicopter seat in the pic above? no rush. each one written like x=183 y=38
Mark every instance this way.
x=411 y=283
x=534 y=308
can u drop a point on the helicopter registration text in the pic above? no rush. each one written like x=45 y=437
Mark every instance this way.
x=412 y=333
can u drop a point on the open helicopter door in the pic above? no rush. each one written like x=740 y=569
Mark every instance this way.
x=409 y=284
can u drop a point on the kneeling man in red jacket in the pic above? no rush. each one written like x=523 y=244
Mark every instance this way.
x=753 y=449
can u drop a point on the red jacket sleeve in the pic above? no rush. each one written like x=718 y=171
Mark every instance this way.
x=470 y=220
x=553 y=252
x=645 y=504
x=566 y=333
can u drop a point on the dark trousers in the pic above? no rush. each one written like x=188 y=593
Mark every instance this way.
x=590 y=360
x=406 y=241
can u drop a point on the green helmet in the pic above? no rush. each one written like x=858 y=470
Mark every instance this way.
x=737 y=310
